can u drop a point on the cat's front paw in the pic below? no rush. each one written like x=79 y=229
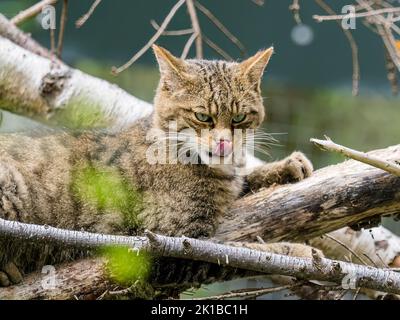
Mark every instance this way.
x=296 y=167
x=10 y=274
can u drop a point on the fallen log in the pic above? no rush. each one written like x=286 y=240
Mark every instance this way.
x=332 y=198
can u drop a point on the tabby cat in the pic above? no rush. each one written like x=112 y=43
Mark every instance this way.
x=49 y=178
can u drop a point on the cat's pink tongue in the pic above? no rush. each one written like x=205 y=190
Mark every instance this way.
x=224 y=148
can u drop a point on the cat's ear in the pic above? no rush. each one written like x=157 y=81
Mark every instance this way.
x=254 y=66
x=170 y=66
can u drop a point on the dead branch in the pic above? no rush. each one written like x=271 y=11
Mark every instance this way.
x=356 y=15
x=334 y=197
x=317 y=268
x=217 y=49
x=329 y=145
x=221 y=27
x=82 y=20
x=353 y=46
x=196 y=27
x=153 y=39
x=63 y=22
x=248 y=293
x=181 y=32
x=31 y=12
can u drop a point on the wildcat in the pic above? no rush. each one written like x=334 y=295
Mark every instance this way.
x=43 y=178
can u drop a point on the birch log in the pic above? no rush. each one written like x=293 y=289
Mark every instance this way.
x=34 y=86
x=317 y=268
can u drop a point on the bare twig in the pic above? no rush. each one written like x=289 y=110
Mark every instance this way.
x=346 y=247
x=221 y=27
x=52 y=41
x=181 y=32
x=391 y=73
x=82 y=20
x=295 y=8
x=353 y=46
x=384 y=28
x=356 y=293
x=248 y=293
x=196 y=27
x=188 y=45
x=355 y=15
x=64 y=16
x=207 y=251
x=31 y=11
x=217 y=49
x=153 y=39
x=329 y=145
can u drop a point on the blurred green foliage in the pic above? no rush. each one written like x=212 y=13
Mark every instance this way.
x=108 y=191
x=80 y=115
x=126 y=266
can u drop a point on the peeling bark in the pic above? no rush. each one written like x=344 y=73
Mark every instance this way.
x=317 y=268
x=334 y=197
x=34 y=86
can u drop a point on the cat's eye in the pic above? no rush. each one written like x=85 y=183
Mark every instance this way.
x=238 y=117
x=202 y=117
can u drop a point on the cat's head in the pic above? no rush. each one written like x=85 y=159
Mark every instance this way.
x=210 y=98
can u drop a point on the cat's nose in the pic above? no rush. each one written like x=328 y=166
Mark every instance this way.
x=224 y=148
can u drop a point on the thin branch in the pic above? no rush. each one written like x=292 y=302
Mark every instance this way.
x=391 y=73
x=356 y=294
x=31 y=11
x=295 y=8
x=217 y=48
x=355 y=15
x=329 y=145
x=82 y=20
x=200 y=250
x=153 y=39
x=248 y=293
x=181 y=32
x=353 y=46
x=346 y=247
x=188 y=45
x=196 y=27
x=384 y=28
x=221 y=27
x=64 y=16
x=52 y=41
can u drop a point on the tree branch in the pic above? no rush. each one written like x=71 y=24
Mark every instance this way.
x=332 y=198
x=31 y=85
x=317 y=268
x=329 y=145
x=31 y=12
